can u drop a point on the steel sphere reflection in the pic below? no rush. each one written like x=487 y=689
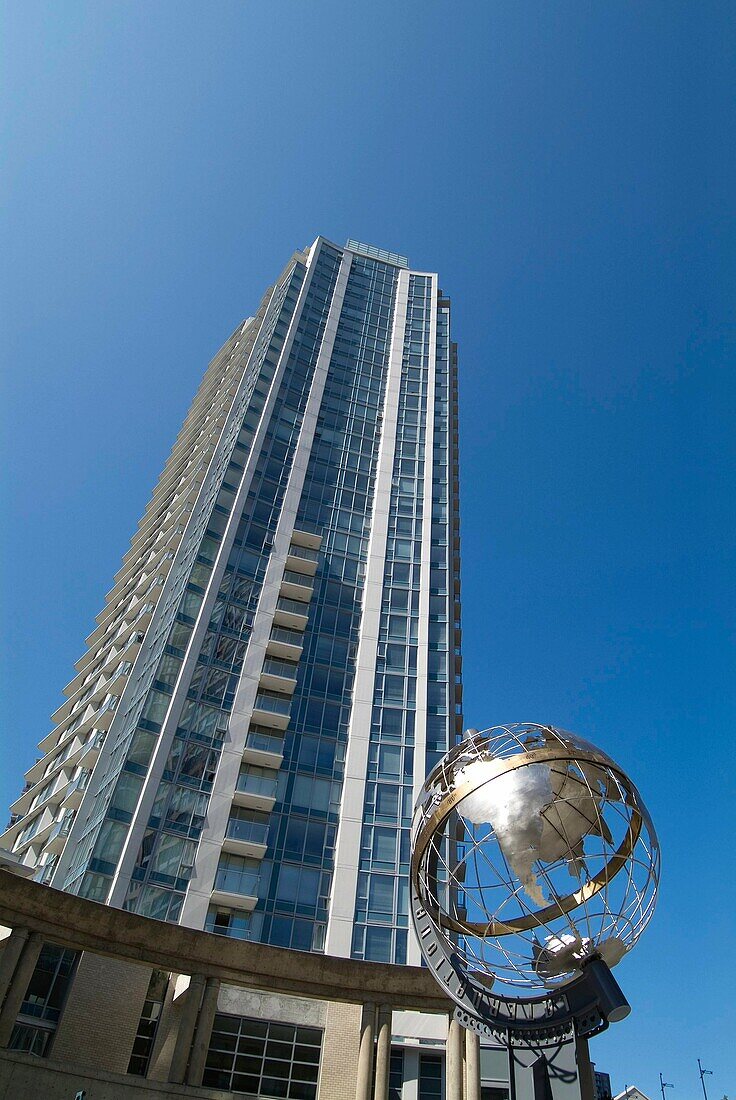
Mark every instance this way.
x=532 y=853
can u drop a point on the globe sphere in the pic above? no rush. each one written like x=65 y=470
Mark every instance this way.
x=532 y=853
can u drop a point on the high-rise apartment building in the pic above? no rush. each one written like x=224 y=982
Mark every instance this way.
x=277 y=665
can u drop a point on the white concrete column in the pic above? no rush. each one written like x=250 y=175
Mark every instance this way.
x=472 y=1065
x=365 y=1053
x=454 y=1061
x=347 y=846
x=383 y=1052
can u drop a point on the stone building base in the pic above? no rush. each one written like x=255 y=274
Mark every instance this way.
x=24 y=1077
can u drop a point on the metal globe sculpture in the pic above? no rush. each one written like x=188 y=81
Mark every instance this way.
x=533 y=856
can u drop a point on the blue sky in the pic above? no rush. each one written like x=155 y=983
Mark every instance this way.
x=568 y=168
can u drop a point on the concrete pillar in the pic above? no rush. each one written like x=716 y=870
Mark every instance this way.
x=472 y=1065
x=365 y=1053
x=454 y=1061
x=383 y=1052
x=185 y=1033
x=204 y=1030
x=14 y=944
x=18 y=985
x=464 y=1052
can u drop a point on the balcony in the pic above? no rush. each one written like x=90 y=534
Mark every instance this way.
x=144 y=616
x=263 y=748
x=285 y=643
x=44 y=873
x=59 y=833
x=296 y=585
x=237 y=888
x=310 y=539
x=36 y=831
x=91 y=749
x=255 y=791
x=105 y=714
x=50 y=794
x=116 y=681
x=246 y=838
x=291 y=613
x=279 y=675
x=272 y=709
x=75 y=791
x=303 y=559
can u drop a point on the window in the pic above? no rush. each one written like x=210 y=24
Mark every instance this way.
x=430 y=1076
x=44 y=1000
x=248 y=825
x=263 y=1058
x=174 y=860
x=148 y=1024
x=257 y=780
x=30 y=1040
x=237 y=875
x=154 y=711
x=299 y=885
x=125 y=798
x=396 y=1075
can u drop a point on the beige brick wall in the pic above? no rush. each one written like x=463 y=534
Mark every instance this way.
x=100 y=1018
x=338 y=1075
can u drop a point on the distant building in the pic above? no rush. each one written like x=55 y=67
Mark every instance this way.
x=631 y=1092
x=602 y=1085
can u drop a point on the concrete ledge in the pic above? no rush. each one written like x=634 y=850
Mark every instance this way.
x=88 y=926
x=24 y=1075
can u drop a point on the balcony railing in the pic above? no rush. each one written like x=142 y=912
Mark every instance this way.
x=303 y=552
x=110 y=703
x=244 y=883
x=263 y=785
x=273 y=704
x=293 y=607
x=292 y=577
x=287 y=636
x=62 y=828
x=254 y=832
x=273 y=666
x=79 y=784
x=264 y=742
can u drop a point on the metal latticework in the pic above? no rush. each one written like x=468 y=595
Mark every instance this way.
x=532 y=853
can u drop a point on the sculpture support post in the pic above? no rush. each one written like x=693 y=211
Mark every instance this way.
x=585 y=1069
x=512 y=1069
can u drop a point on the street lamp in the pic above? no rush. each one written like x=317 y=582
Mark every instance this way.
x=702 y=1077
x=664 y=1085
